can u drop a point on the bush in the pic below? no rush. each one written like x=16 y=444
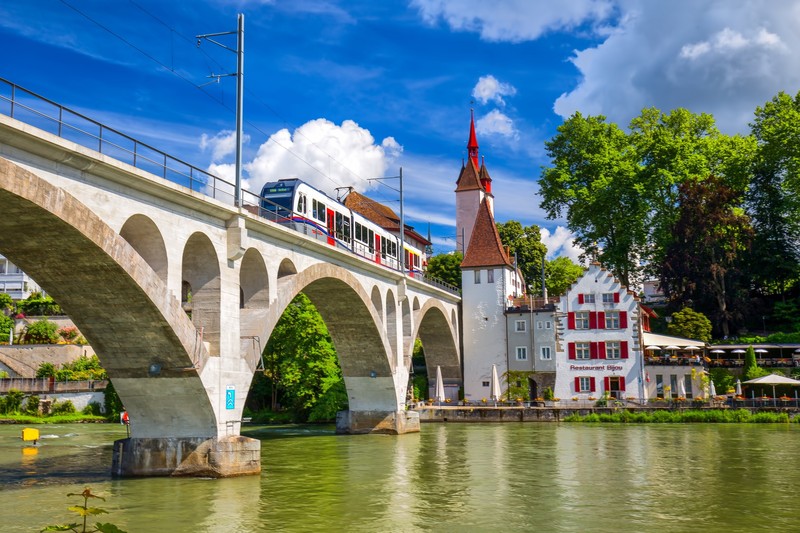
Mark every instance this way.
x=32 y=405
x=62 y=408
x=68 y=333
x=46 y=370
x=38 y=305
x=12 y=401
x=94 y=408
x=41 y=332
x=6 y=324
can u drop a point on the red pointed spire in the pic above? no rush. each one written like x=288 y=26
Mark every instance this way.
x=472 y=144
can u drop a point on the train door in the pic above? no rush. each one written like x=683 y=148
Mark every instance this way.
x=378 y=249
x=331 y=227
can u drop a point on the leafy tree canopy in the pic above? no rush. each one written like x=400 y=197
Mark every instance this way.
x=690 y=324
x=524 y=243
x=446 y=267
x=560 y=274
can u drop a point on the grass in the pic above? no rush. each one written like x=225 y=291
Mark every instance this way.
x=71 y=418
x=684 y=417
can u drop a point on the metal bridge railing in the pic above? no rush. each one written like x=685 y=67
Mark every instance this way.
x=31 y=108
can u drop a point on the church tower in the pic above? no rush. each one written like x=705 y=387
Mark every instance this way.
x=488 y=277
x=474 y=185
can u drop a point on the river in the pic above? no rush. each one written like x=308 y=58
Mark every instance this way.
x=450 y=477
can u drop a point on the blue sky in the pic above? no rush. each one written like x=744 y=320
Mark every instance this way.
x=337 y=92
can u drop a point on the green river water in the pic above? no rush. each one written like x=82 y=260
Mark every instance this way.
x=543 y=477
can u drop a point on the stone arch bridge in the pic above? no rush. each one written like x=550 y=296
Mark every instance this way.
x=119 y=248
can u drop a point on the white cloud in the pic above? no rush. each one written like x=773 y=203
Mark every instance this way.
x=713 y=59
x=323 y=154
x=497 y=123
x=222 y=144
x=561 y=242
x=513 y=20
x=491 y=89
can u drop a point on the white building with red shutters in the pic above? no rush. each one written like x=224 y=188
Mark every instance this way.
x=599 y=347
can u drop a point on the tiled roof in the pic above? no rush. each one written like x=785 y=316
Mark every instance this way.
x=381 y=215
x=469 y=179
x=485 y=247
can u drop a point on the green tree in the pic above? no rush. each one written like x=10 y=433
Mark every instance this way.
x=6 y=303
x=690 y=324
x=594 y=182
x=525 y=244
x=38 y=305
x=751 y=370
x=560 y=274
x=772 y=198
x=301 y=361
x=703 y=262
x=446 y=267
x=41 y=332
x=6 y=325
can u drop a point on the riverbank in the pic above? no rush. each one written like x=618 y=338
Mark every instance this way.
x=470 y=414
x=75 y=418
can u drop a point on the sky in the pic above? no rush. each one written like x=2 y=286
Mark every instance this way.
x=340 y=92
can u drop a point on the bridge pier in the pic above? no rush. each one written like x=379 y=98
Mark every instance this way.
x=187 y=456
x=390 y=422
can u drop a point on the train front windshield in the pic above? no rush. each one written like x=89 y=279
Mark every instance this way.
x=276 y=199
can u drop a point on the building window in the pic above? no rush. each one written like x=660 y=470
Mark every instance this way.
x=608 y=297
x=522 y=353
x=582 y=350
x=687 y=382
x=485 y=383
x=659 y=385
x=673 y=385
x=612 y=319
x=490 y=276
x=588 y=298
x=539 y=324
x=612 y=350
x=548 y=325
x=520 y=326
x=477 y=277
x=582 y=320
x=546 y=353
x=584 y=384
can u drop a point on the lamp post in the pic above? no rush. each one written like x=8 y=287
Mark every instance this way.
x=239 y=51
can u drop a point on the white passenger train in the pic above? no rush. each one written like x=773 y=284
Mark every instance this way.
x=297 y=204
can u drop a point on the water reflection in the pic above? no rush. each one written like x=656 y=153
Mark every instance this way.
x=450 y=477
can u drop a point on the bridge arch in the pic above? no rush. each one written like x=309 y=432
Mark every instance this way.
x=200 y=270
x=355 y=328
x=376 y=301
x=439 y=340
x=143 y=234
x=391 y=322
x=128 y=315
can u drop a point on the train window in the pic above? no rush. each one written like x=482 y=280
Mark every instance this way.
x=342 y=227
x=301 y=203
x=318 y=210
x=371 y=242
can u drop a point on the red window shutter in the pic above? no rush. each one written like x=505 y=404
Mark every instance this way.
x=601 y=320
x=571 y=350
x=577 y=384
x=580 y=298
x=601 y=350
x=623 y=319
x=606 y=384
x=592 y=350
x=592 y=320
x=616 y=297
x=592 y=387
x=623 y=349
x=571 y=320
x=622 y=383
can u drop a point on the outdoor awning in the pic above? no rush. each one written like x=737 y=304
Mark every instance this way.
x=651 y=339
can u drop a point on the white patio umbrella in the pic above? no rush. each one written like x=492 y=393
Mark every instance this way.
x=439 y=391
x=773 y=379
x=652 y=347
x=494 y=392
x=739 y=350
x=762 y=350
x=712 y=390
x=717 y=350
x=738 y=387
x=682 y=388
x=691 y=348
x=672 y=348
